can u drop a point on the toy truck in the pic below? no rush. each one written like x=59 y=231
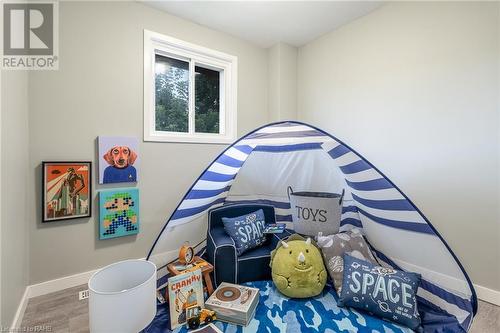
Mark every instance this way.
x=197 y=316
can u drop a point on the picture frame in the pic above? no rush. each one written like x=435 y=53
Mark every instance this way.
x=66 y=190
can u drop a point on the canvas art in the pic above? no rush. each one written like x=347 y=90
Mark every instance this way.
x=118 y=159
x=118 y=212
x=66 y=190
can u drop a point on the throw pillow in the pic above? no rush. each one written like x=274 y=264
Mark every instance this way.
x=247 y=231
x=385 y=292
x=333 y=248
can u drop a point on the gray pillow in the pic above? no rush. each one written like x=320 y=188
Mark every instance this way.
x=335 y=246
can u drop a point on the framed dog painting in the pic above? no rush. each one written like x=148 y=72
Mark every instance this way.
x=67 y=190
x=118 y=212
x=118 y=159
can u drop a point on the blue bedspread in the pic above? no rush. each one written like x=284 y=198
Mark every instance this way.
x=276 y=313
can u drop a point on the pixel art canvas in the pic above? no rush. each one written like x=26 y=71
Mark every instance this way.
x=118 y=212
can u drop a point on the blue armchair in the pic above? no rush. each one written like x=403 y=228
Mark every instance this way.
x=252 y=265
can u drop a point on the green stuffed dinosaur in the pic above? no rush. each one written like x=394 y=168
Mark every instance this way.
x=297 y=268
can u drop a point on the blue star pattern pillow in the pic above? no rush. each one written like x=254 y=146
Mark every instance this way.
x=385 y=292
x=247 y=231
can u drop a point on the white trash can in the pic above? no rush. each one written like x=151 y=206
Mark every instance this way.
x=314 y=212
x=122 y=297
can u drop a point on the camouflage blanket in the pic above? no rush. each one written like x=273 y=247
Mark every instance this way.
x=277 y=313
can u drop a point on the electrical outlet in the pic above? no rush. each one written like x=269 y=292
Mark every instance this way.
x=84 y=294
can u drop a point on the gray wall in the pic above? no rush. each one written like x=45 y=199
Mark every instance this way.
x=14 y=189
x=98 y=90
x=282 y=82
x=414 y=87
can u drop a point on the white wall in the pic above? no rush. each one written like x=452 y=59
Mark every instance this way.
x=98 y=91
x=14 y=187
x=282 y=82
x=414 y=87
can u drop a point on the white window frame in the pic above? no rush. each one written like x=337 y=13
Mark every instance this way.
x=155 y=43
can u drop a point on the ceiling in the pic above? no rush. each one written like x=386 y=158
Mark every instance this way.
x=266 y=23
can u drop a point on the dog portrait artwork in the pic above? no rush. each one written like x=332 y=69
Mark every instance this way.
x=118 y=160
x=118 y=212
x=120 y=169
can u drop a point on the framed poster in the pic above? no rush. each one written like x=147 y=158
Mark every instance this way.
x=118 y=212
x=67 y=192
x=118 y=159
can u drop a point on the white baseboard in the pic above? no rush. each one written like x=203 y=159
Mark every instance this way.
x=18 y=317
x=488 y=295
x=66 y=282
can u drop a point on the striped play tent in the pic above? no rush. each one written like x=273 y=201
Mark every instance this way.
x=260 y=166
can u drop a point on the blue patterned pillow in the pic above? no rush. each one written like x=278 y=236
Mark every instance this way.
x=385 y=292
x=247 y=231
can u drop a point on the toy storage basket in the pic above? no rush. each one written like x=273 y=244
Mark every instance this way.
x=314 y=212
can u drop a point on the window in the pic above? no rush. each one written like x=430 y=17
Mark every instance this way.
x=189 y=92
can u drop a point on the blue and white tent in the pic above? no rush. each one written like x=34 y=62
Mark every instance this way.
x=261 y=165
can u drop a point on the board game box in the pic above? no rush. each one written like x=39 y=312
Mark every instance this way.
x=184 y=290
x=234 y=303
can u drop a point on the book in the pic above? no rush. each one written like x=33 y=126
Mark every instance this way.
x=234 y=303
x=160 y=297
x=210 y=328
x=184 y=290
x=274 y=228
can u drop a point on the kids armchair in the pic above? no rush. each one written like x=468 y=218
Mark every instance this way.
x=253 y=265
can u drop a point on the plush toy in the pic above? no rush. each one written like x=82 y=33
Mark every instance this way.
x=297 y=267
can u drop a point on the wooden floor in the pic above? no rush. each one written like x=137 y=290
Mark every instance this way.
x=63 y=312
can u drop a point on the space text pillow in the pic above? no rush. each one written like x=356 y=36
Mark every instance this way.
x=333 y=248
x=247 y=231
x=385 y=292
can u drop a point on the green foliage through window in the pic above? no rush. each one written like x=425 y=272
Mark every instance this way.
x=172 y=94
x=172 y=97
x=207 y=100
